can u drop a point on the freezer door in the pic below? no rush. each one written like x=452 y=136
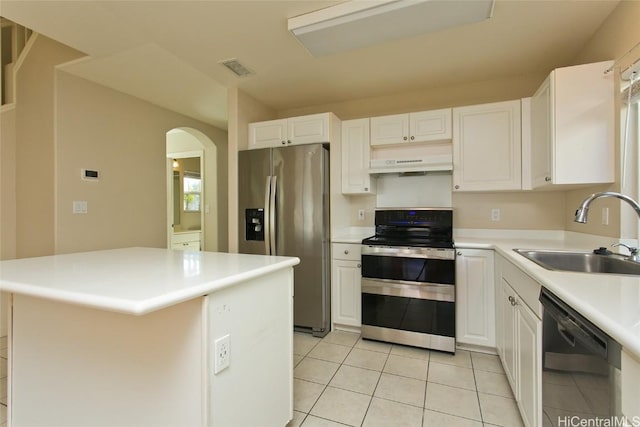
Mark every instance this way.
x=302 y=212
x=254 y=170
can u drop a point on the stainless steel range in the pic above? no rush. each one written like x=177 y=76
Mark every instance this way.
x=408 y=279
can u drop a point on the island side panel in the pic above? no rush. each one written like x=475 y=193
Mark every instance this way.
x=77 y=366
x=257 y=387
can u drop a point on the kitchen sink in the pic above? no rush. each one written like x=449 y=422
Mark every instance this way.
x=584 y=262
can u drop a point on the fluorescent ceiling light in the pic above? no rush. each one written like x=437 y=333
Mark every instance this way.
x=360 y=23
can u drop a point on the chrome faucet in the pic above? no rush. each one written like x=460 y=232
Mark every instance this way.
x=583 y=211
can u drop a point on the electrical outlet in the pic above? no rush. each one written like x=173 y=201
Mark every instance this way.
x=361 y=214
x=495 y=214
x=222 y=357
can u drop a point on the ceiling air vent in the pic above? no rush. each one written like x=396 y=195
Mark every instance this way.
x=236 y=67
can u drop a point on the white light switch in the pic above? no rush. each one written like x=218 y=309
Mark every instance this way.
x=495 y=214
x=80 y=207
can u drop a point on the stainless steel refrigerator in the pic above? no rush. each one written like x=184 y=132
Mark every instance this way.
x=284 y=210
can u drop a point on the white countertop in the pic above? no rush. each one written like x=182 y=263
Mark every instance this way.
x=612 y=302
x=133 y=280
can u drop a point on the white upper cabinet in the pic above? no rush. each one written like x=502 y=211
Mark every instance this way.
x=423 y=126
x=355 y=158
x=572 y=127
x=272 y=133
x=487 y=147
x=308 y=129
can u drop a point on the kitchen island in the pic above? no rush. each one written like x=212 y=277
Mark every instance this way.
x=129 y=337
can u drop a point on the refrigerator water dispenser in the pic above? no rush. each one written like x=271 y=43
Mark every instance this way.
x=254 y=224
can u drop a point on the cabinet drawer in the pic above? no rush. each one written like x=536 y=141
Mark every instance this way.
x=346 y=251
x=185 y=237
x=528 y=290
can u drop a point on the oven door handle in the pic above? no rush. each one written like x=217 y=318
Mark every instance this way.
x=409 y=252
x=429 y=291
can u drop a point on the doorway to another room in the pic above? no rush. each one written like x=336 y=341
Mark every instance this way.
x=191 y=191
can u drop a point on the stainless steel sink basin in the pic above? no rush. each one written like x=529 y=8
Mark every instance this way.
x=584 y=262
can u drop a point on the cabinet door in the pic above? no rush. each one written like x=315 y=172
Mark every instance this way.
x=387 y=130
x=487 y=148
x=272 y=133
x=355 y=157
x=541 y=135
x=529 y=373
x=346 y=297
x=309 y=129
x=475 y=298
x=430 y=125
x=508 y=354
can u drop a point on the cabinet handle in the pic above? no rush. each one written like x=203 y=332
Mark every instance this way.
x=404 y=138
x=547 y=178
x=512 y=300
x=346 y=252
x=366 y=188
x=459 y=253
x=413 y=137
x=283 y=142
x=288 y=141
x=457 y=187
x=359 y=265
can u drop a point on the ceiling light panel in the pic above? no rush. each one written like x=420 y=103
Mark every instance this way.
x=360 y=23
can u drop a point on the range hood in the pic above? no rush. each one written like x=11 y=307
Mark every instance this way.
x=442 y=162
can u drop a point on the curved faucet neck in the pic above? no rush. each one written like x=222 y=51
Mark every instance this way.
x=583 y=210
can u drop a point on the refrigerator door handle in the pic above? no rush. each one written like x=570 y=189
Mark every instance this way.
x=272 y=214
x=267 y=216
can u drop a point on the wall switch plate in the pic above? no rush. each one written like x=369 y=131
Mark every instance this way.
x=80 y=207
x=605 y=216
x=222 y=356
x=495 y=214
x=361 y=214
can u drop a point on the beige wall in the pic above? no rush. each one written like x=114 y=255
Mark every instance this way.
x=35 y=136
x=61 y=124
x=125 y=139
x=500 y=89
x=7 y=183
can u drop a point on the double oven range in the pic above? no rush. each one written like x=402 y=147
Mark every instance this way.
x=408 y=279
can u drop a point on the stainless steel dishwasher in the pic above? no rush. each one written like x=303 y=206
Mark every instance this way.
x=580 y=367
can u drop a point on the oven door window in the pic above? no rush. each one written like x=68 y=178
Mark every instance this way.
x=409 y=269
x=409 y=314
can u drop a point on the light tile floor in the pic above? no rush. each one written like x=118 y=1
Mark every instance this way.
x=342 y=379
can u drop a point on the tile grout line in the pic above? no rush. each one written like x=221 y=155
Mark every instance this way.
x=373 y=393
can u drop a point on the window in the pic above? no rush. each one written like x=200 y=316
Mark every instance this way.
x=192 y=189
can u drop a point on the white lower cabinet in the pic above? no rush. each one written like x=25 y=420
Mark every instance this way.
x=630 y=386
x=186 y=241
x=345 y=286
x=520 y=339
x=475 y=298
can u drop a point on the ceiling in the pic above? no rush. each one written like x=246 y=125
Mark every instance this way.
x=167 y=52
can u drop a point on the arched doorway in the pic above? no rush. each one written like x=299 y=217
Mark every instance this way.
x=192 y=187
